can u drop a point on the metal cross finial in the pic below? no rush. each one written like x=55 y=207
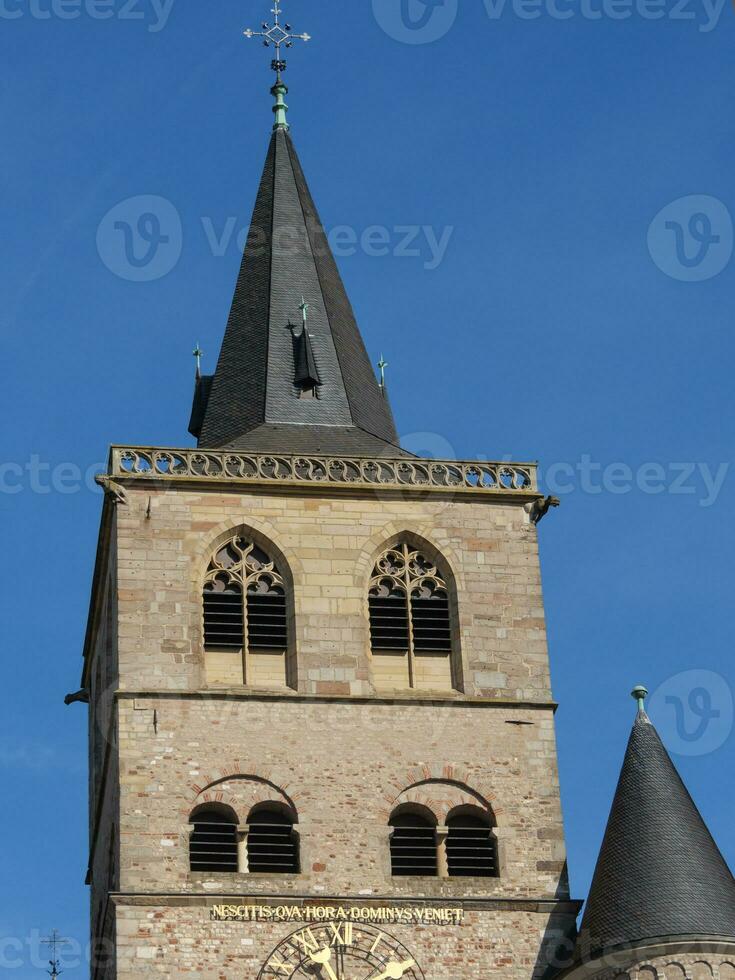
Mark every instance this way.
x=304 y=307
x=277 y=35
x=382 y=365
x=53 y=941
x=198 y=354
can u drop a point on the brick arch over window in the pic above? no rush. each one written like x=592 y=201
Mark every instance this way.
x=247 y=613
x=459 y=839
x=413 y=613
x=243 y=791
x=243 y=824
x=442 y=790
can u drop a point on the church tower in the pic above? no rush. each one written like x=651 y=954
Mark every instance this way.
x=321 y=724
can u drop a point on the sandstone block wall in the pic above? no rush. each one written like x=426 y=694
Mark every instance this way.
x=338 y=753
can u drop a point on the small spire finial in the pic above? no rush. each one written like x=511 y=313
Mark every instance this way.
x=53 y=941
x=278 y=36
x=640 y=693
x=382 y=365
x=304 y=307
x=198 y=354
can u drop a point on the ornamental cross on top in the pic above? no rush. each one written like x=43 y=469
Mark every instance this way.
x=277 y=35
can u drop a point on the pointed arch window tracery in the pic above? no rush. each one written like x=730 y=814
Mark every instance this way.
x=410 y=621
x=246 y=630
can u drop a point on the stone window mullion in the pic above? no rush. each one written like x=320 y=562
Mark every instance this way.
x=409 y=618
x=245 y=641
x=243 y=866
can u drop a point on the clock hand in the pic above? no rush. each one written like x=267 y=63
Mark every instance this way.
x=394 y=971
x=323 y=958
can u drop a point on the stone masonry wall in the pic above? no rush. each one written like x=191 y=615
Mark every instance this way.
x=182 y=942
x=344 y=767
x=341 y=757
x=329 y=545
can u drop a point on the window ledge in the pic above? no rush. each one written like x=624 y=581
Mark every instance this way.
x=198 y=876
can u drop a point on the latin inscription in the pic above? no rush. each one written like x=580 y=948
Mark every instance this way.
x=393 y=915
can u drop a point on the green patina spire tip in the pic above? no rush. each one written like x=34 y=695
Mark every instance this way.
x=277 y=36
x=280 y=109
x=640 y=693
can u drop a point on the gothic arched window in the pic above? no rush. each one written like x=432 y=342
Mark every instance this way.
x=472 y=848
x=213 y=840
x=413 y=849
x=246 y=633
x=272 y=842
x=410 y=622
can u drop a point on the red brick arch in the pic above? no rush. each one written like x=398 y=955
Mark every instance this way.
x=440 y=790
x=257 y=788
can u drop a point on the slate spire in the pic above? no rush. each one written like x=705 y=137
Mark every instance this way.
x=660 y=873
x=254 y=400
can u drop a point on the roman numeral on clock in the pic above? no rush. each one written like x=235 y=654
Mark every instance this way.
x=343 y=935
x=307 y=940
x=279 y=968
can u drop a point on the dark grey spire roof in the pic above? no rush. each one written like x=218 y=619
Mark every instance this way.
x=253 y=399
x=660 y=873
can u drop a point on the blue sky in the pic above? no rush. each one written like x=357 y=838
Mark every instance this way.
x=567 y=317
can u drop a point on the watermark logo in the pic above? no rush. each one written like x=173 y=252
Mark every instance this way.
x=700 y=480
x=416 y=21
x=693 y=712
x=141 y=238
x=424 y=21
x=153 y=13
x=691 y=239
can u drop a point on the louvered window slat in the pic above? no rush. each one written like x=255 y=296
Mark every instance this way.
x=272 y=844
x=413 y=847
x=267 y=622
x=213 y=845
x=254 y=622
x=471 y=848
x=431 y=625
x=223 y=619
x=389 y=623
x=409 y=606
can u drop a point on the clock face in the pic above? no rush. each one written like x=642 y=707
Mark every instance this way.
x=341 y=951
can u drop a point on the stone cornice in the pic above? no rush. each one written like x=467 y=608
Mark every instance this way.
x=518 y=481
x=418 y=698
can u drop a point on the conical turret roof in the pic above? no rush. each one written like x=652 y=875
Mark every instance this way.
x=660 y=873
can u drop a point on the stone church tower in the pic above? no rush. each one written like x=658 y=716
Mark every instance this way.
x=321 y=725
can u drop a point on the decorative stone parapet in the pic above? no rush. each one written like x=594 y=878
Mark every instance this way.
x=228 y=466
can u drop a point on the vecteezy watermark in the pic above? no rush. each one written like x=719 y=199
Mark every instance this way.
x=416 y=21
x=691 y=239
x=153 y=13
x=704 y=481
x=141 y=239
x=705 y=14
x=693 y=712
x=424 y=21
x=43 y=478
x=30 y=952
